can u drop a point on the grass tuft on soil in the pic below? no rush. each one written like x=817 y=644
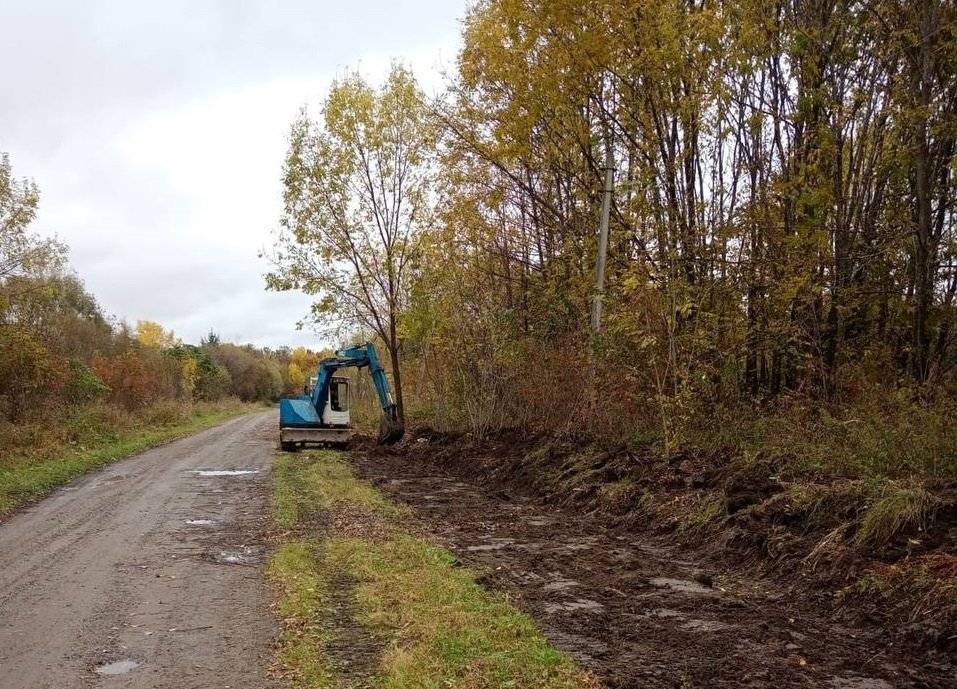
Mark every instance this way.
x=39 y=460
x=413 y=617
x=294 y=571
x=899 y=507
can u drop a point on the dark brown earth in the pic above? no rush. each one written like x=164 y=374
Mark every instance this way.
x=639 y=612
x=107 y=583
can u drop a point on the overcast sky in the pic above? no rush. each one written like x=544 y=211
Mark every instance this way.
x=156 y=132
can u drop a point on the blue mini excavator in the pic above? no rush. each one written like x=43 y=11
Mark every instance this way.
x=321 y=416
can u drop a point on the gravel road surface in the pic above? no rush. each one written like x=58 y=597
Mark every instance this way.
x=146 y=574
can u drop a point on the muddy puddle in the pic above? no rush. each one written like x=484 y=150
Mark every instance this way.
x=683 y=586
x=243 y=555
x=225 y=472
x=636 y=611
x=117 y=667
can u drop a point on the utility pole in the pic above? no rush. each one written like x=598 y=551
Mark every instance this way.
x=603 y=236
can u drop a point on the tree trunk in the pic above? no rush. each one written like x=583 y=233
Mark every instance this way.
x=924 y=254
x=393 y=345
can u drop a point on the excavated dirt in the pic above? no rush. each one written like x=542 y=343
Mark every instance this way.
x=635 y=609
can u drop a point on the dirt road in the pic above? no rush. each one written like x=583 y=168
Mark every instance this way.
x=146 y=574
x=635 y=610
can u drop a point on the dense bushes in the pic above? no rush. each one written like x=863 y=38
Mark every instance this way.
x=36 y=375
x=253 y=375
x=28 y=373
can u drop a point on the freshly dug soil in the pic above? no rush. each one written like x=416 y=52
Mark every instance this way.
x=634 y=603
x=758 y=514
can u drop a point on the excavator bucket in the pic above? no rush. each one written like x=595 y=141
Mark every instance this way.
x=391 y=429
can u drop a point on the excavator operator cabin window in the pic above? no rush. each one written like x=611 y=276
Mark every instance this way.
x=339 y=396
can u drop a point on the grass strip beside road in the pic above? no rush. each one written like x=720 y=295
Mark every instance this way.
x=26 y=481
x=366 y=601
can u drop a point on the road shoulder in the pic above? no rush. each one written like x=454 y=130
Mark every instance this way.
x=364 y=598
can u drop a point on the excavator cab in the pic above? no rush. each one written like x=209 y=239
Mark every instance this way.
x=337 y=407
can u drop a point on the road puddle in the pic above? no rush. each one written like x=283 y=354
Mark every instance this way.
x=117 y=667
x=245 y=555
x=225 y=472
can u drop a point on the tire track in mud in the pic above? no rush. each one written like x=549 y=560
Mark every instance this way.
x=637 y=613
x=352 y=651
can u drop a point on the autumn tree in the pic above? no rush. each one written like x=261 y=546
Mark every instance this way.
x=152 y=334
x=303 y=363
x=783 y=222
x=357 y=195
x=22 y=253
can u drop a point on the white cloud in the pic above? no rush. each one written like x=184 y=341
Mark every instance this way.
x=158 y=142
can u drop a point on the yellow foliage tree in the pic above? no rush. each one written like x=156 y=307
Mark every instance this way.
x=151 y=334
x=296 y=376
x=190 y=375
x=306 y=360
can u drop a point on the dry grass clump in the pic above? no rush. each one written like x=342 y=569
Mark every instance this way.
x=899 y=507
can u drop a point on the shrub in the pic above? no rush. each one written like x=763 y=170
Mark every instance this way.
x=899 y=507
x=83 y=385
x=139 y=376
x=254 y=376
x=29 y=374
x=166 y=413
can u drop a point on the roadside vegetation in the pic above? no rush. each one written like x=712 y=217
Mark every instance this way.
x=365 y=601
x=777 y=346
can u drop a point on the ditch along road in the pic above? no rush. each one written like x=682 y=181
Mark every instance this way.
x=146 y=574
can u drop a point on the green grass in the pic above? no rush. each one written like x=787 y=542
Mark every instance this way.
x=33 y=475
x=707 y=512
x=899 y=507
x=432 y=623
x=308 y=483
x=293 y=568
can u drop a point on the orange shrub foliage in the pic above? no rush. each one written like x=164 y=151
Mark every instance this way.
x=138 y=377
